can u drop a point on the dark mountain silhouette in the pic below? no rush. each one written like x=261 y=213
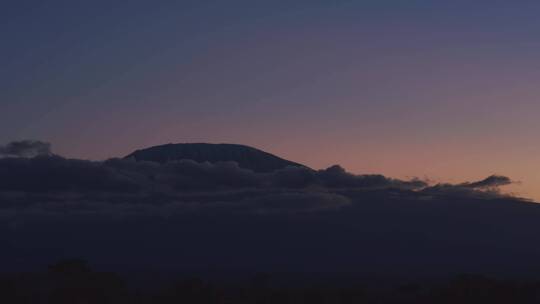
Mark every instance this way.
x=246 y=157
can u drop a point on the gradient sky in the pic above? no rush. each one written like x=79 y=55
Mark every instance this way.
x=446 y=90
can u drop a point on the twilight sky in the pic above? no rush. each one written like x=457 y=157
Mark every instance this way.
x=446 y=90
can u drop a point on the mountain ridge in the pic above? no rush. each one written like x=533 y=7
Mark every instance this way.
x=246 y=156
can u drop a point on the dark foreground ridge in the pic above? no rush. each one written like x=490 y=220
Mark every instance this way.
x=73 y=281
x=246 y=157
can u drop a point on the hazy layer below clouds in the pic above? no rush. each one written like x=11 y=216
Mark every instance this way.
x=189 y=215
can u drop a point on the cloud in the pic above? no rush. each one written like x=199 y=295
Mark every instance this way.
x=54 y=174
x=489 y=182
x=488 y=188
x=125 y=187
x=58 y=185
x=336 y=176
x=25 y=148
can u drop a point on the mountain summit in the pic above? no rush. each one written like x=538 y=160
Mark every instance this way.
x=246 y=157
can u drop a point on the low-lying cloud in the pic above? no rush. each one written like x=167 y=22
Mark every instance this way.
x=25 y=148
x=490 y=182
x=57 y=185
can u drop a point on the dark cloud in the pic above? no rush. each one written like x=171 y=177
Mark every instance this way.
x=336 y=176
x=25 y=148
x=121 y=205
x=119 y=188
x=54 y=173
x=488 y=188
x=491 y=181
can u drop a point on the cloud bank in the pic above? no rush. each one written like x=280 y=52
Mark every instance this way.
x=55 y=184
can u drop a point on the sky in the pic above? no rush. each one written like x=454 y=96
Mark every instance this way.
x=443 y=90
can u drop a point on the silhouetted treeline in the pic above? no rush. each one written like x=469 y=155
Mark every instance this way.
x=72 y=281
